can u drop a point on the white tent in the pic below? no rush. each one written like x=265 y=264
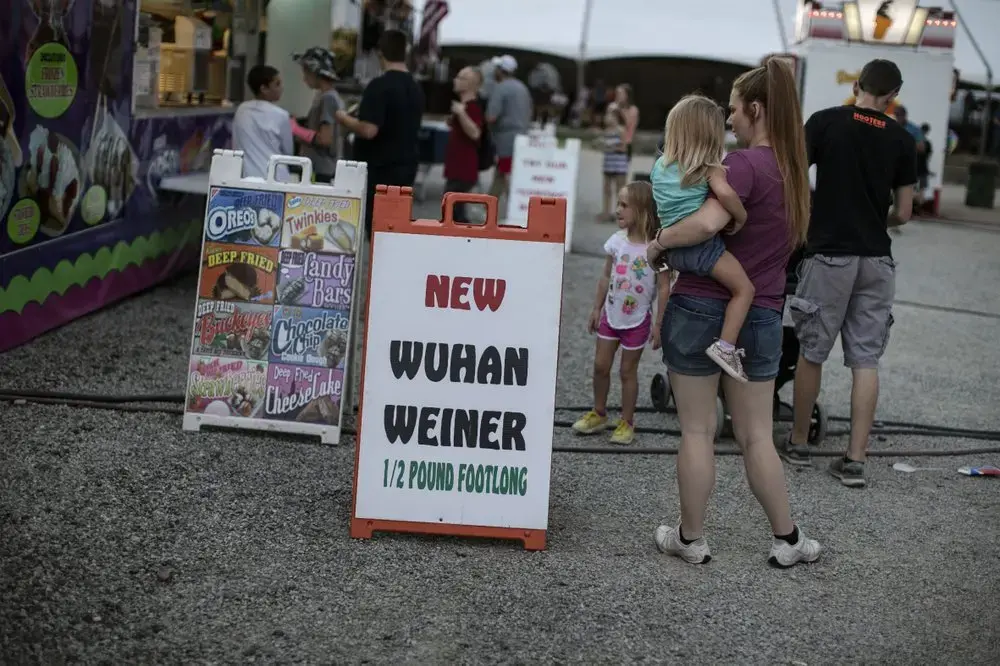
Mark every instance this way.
x=724 y=30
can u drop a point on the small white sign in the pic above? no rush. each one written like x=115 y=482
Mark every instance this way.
x=541 y=168
x=458 y=398
x=142 y=78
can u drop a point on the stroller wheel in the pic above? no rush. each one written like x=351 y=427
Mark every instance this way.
x=817 y=425
x=660 y=393
x=724 y=427
x=720 y=417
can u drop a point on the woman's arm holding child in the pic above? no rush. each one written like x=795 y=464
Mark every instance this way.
x=663 y=279
x=728 y=197
x=697 y=227
x=712 y=217
x=594 y=321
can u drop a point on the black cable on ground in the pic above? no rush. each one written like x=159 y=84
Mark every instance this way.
x=880 y=425
x=120 y=403
x=91 y=404
x=735 y=451
x=982 y=436
x=93 y=397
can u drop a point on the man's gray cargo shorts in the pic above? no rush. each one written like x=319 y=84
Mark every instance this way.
x=848 y=295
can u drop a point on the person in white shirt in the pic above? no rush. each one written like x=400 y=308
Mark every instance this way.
x=261 y=128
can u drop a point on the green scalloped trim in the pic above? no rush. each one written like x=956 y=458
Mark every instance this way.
x=44 y=282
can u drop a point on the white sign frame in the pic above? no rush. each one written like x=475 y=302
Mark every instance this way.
x=518 y=273
x=349 y=182
x=532 y=174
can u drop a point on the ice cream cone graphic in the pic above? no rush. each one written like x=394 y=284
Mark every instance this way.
x=882 y=20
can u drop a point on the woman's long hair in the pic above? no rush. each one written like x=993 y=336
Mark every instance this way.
x=772 y=85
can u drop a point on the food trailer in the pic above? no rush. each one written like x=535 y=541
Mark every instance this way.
x=833 y=44
x=99 y=101
x=110 y=111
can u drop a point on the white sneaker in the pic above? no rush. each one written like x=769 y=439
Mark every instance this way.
x=784 y=554
x=668 y=540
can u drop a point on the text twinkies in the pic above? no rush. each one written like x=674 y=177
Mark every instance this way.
x=461 y=478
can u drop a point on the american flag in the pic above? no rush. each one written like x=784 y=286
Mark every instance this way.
x=434 y=13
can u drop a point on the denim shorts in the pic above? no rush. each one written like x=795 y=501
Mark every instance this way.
x=691 y=325
x=699 y=259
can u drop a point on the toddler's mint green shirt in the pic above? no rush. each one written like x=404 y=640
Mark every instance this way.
x=673 y=202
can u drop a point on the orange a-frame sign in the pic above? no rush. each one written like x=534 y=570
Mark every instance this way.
x=458 y=376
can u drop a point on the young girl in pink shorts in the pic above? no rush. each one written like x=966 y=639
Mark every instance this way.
x=623 y=310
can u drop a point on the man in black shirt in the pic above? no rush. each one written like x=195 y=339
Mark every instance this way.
x=865 y=163
x=386 y=131
x=923 y=169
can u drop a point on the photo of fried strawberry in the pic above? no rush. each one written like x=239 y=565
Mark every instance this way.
x=52 y=177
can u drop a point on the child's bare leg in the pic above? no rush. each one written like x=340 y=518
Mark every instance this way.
x=730 y=274
x=604 y=358
x=723 y=351
x=629 y=371
x=617 y=183
x=606 y=210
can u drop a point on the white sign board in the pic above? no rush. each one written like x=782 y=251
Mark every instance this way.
x=541 y=168
x=458 y=394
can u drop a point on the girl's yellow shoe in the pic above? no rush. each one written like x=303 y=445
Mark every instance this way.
x=590 y=423
x=623 y=434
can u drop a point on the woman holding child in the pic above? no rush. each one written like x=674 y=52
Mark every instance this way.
x=770 y=179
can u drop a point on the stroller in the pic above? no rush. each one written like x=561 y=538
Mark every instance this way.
x=661 y=395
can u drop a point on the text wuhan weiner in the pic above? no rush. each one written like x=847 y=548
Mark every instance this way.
x=456 y=428
x=458 y=363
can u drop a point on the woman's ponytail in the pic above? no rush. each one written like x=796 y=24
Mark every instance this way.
x=787 y=135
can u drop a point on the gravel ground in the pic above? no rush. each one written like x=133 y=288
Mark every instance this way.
x=125 y=540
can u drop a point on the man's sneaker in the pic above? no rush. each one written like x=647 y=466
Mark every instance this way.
x=850 y=472
x=793 y=454
x=590 y=423
x=624 y=433
x=728 y=360
x=668 y=540
x=784 y=554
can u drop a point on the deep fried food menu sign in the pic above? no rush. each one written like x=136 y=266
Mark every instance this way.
x=459 y=385
x=272 y=324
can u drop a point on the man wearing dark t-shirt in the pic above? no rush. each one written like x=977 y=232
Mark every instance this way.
x=866 y=162
x=923 y=168
x=386 y=131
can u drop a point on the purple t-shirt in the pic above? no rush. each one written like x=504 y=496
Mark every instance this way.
x=762 y=245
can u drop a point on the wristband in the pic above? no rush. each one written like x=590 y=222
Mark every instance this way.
x=303 y=134
x=657 y=243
